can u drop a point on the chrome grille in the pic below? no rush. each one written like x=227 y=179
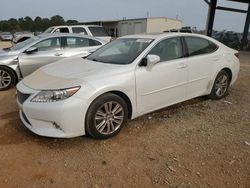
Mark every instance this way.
x=22 y=97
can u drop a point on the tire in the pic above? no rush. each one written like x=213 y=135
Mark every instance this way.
x=221 y=85
x=7 y=78
x=106 y=116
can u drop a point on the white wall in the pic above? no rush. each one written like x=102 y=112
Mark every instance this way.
x=156 y=25
x=129 y=27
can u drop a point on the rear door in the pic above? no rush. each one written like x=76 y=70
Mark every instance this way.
x=48 y=51
x=201 y=65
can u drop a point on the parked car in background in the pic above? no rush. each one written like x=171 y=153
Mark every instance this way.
x=6 y=36
x=229 y=38
x=126 y=78
x=91 y=30
x=25 y=57
x=22 y=36
x=182 y=30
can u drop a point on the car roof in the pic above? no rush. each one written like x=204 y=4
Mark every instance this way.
x=6 y=33
x=48 y=35
x=162 y=35
x=81 y=25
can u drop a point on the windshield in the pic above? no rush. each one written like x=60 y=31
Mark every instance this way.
x=20 y=45
x=120 y=51
x=49 y=30
x=98 y=31
x=6 y=33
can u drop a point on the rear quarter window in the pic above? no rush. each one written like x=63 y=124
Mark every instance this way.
x=199 y=46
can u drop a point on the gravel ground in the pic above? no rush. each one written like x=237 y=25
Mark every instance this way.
x=198 y=143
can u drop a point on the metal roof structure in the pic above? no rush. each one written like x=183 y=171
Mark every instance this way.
x=211 y=15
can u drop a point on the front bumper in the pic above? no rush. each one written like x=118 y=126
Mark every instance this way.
x=63 y=119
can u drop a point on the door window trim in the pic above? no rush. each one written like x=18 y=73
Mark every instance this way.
x=60 y=38
x=187 y=51
x=184 y=50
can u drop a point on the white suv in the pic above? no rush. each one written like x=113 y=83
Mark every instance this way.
x=91 y=30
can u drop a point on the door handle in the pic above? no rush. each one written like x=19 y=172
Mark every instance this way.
x=58 y=54
x=181 y=66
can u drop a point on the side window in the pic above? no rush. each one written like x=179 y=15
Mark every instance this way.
x=49 y=44
x=94 y=42
x=168 y=49
x=198 y=46
x=77 y=42
x=79 y=30
x=62 y=30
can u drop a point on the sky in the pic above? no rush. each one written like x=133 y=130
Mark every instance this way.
x=192 y=12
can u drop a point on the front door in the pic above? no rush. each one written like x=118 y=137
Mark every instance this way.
x=48 y=51
x=165 y=83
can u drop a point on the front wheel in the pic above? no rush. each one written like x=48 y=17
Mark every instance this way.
x=7 y=78
x=106 y=116
x=220 y=86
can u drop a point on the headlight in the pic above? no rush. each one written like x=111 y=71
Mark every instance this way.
x=54 y=95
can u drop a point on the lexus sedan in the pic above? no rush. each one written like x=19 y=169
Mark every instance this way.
x=124 y=79
x=27 y=56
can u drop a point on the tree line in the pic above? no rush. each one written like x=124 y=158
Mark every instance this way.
x=28 y=24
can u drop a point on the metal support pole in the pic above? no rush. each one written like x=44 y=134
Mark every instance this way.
x=211 y=16
x=246 y=29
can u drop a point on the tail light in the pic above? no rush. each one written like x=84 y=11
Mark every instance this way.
x=237 y=54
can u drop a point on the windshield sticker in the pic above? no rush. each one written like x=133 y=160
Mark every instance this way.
x=144 y=40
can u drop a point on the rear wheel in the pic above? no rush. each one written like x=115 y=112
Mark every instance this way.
x=106 y=116
x=7 y=78
x=220 y=86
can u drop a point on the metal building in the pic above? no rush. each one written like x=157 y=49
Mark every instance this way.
x=211 y=15
x=147 y=25
x=118 y=28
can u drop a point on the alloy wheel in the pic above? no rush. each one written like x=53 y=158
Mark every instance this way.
x=109 y=117
x=221 y=85
x=5 y=79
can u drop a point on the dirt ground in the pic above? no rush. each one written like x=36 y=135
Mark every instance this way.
x=199 y=143
x=5 y=44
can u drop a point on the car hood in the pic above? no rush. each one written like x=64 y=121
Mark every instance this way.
x=7 y=53
x=71 y=72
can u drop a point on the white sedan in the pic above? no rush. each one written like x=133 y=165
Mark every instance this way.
x=126 y=78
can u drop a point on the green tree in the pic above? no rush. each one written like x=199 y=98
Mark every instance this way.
x=57 y=20
x=38 y=24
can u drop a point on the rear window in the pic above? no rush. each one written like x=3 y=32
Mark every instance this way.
x=98 y=31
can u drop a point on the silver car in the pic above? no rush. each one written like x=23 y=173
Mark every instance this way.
x=25 y=57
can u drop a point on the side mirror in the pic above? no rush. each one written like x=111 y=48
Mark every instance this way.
x=31 y=50
x=150 y=61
